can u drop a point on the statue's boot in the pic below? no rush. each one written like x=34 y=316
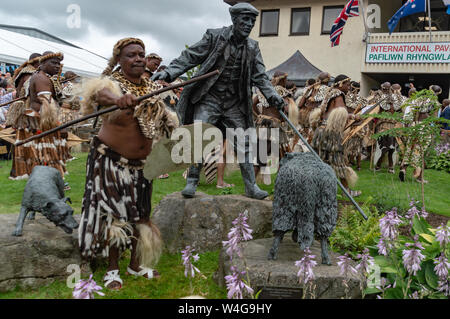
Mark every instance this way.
x=192 y=181
x=251 y=189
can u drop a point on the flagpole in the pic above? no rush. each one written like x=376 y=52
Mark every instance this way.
x=363 y=12
x=429 y=19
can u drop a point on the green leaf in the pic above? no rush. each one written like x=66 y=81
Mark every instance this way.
x=431 y=251
x=382 y=261
x=388 y=270
x=430 y=275
x=394 y=293
x=427 y=237
x=421 y=276
x=369 y=291
x=385 y=265
x=420 y=226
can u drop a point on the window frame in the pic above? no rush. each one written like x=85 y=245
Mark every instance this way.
x=261 y=23
x=322 y=32
x=304 y=9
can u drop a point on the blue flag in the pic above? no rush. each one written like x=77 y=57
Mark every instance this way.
x=410 y=7
x=447 y=4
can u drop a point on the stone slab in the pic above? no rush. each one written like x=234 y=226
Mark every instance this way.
x=204 y=221
x=278 y=278
x=40 y=256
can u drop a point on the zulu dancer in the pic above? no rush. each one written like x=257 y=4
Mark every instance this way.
x=152 y=62
x=17 y=119
x=354 y=146
x=387 y=144
x=331 y=118
x=117 y=199
x=311 y=99
x=40 y=113
x=224 y=100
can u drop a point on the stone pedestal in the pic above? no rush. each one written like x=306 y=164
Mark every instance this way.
x=39 y=256
x=204 y=221
x=277 y=279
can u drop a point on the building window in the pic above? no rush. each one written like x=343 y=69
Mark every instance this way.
x=330 y=15
x=269 y=22
x=419 y=22
x=300 y=21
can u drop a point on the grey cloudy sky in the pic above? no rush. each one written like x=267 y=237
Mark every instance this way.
x=164 y=25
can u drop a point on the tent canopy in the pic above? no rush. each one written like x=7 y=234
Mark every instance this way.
x=15 y=48
x=298 y=68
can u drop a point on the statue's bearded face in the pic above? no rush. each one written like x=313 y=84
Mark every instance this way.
x=243 y=24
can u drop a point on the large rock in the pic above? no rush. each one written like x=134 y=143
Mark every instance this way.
x=205 y=220
x=39 y=256
x=277 y=279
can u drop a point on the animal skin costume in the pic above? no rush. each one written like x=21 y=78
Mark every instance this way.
x=50 y=150
x=387 y=144
x=328 y=137
x=17 y=108
x=117 y=195
x=354 y=146
x=312 y=98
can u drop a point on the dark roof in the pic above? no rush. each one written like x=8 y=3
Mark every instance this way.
x=36 y=33
x=298 y=68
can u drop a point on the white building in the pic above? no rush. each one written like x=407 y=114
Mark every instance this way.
x=370 y=55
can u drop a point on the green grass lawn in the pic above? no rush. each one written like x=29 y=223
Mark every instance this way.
x=388 y=191
x=385 y=190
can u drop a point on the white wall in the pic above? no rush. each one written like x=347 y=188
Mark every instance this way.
x=343 y=59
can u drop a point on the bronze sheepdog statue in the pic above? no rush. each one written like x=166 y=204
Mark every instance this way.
x=304 y=202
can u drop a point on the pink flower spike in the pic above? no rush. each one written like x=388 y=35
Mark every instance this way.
x=443 y=235
x=442 y=267
x=412 y=258
x=306 y=265
x=186 y=257
x=239 y=233
x=236 y=285
x=85 y=289
x=389 y=224
x=345 y=266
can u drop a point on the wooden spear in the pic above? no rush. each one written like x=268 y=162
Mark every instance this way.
x=115 y=107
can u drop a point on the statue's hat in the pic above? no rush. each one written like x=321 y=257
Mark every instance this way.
x=243 y=8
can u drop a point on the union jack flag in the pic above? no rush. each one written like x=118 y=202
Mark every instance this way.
x=351 y=9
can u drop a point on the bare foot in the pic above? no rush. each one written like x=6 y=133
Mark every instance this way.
x=225 y=185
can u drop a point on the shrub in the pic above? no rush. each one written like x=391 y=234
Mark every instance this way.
x=439 y=158
x=352 y=232
x=413 y=266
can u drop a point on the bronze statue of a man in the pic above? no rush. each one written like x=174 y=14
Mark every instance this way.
x=224 y=100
